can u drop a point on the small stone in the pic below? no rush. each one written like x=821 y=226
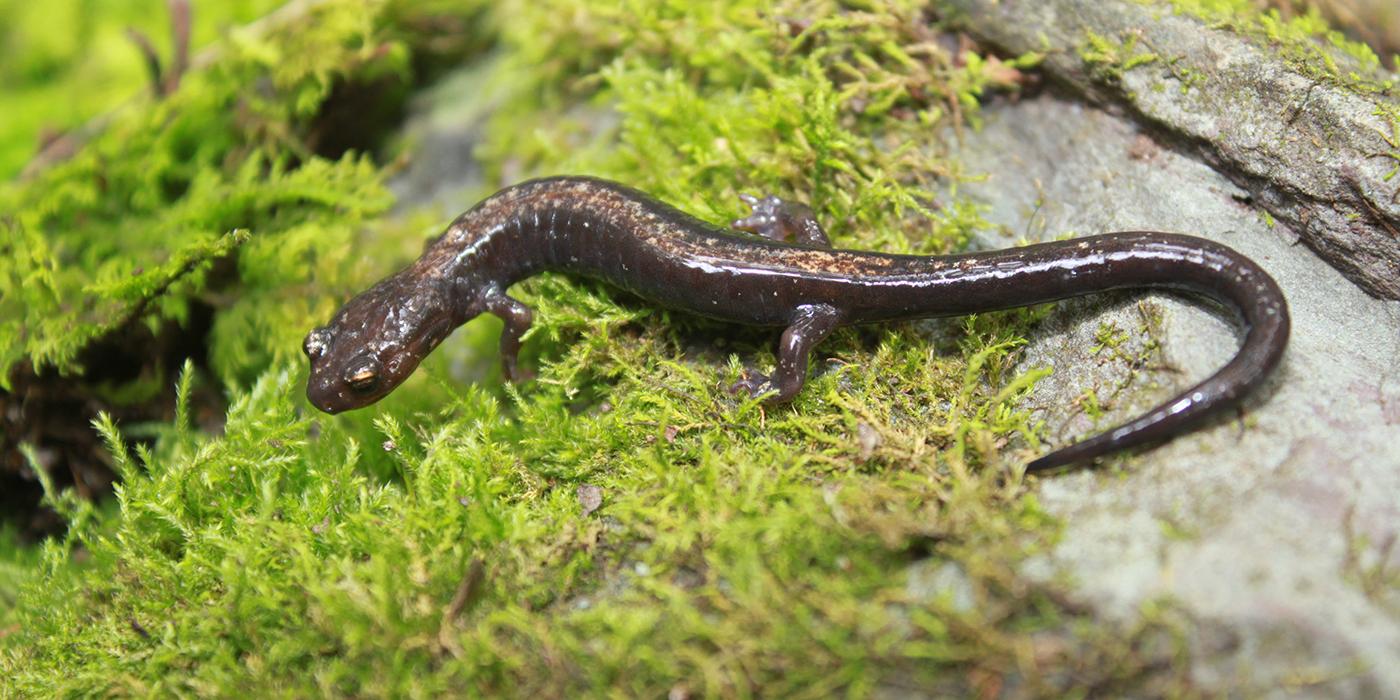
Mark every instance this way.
x=869 y=439
x=590 y=497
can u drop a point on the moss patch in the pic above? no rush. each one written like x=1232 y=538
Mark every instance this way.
x=1306 y=40
x=66 y=61
x=621 y=523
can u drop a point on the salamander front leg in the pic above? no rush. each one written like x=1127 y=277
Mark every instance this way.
x=812 y=324
x=782 y=220
x=517 y=317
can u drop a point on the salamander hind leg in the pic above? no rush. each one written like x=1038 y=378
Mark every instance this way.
x=518 y=318
x=811 y=324
x=781 y=220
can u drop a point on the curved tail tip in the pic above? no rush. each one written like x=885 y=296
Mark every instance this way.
x=1058 y=458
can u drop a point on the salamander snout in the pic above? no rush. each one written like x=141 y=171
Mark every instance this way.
x=377 y=339
x=339 y=383
x=322 y=388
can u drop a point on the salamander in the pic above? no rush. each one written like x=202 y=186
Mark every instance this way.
x=775 y=267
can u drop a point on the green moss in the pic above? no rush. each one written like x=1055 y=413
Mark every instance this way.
x=1112 y=59
x=66 y=61
x=130 y=225
x=1136 y=353
x=1305 y=40
x=18 y=565
x=1391 y=136
x=1109 y=337
x=1369 y=565
x=442 y=539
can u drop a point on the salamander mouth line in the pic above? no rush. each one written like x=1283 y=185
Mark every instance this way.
x=776 y=267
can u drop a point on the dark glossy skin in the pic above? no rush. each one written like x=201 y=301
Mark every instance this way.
x=607 y=231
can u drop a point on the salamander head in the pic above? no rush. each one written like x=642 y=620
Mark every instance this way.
x=376 y=341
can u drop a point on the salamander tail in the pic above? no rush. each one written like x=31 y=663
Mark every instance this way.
x=1239 y=284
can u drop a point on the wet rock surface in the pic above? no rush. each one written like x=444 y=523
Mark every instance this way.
x=1272 y=528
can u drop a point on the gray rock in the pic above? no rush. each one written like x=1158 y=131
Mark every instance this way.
x=444 y=125
x=1257 y=524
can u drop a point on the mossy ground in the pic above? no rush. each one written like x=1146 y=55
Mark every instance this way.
x=621 y=525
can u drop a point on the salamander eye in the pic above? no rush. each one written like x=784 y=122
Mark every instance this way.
x=363 y=376
x=316 y=343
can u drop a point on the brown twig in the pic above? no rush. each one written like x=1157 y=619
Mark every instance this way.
x=164 y=84
x=180 y=17
x=148 y=52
